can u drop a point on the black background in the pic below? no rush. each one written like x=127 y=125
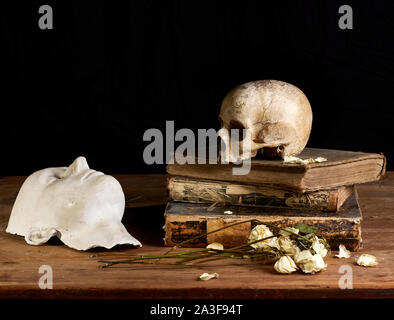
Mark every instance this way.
x=140 y=309
x=108 y=71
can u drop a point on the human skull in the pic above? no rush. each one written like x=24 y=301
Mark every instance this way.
x=277 y=117
x=81 y=206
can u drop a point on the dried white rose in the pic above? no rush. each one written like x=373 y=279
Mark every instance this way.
x=343 y=252
x=288 y=246
x=215 y=246
x=208 y=276
x=274 y=243
x=259 y=232
x=284 y=232
x=302 y=256
x=313 y=264
x=367 y=260
x=308 y=262
x=285 y=265
x=319 y=247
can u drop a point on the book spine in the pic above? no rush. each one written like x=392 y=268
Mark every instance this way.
x=179 y=228
x=227 y=193
x=280 y=177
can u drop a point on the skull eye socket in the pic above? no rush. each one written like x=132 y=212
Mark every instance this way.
x=239 y=126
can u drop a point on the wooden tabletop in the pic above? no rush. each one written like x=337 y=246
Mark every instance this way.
x=76 y=274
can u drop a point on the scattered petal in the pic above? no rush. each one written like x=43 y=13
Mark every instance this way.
x=228 y=212
x=303 y=161
x=215 y=246
x=343 y=252
x=367 y=260
x=285 y=265
x=208 y=276
x=292 y=160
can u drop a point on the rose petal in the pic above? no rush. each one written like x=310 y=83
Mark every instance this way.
x=343 y=252
x=208 y=276
x=367 y=260
x=215 y=246
x=303 y=161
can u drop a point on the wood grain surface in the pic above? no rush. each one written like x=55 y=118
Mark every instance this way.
x=76 y=274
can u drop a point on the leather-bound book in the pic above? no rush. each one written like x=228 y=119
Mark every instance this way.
x=184 y=221
x=196 y=190
x=342 y=168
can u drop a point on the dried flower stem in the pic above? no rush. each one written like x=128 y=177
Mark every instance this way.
x=209 y=254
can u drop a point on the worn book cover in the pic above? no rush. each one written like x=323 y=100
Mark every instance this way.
x=186 y=220
x=342 y=168
x=230 y=193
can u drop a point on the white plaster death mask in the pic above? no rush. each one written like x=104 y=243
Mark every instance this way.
x=81 y=206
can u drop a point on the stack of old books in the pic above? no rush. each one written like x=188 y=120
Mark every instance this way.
x=205 y=197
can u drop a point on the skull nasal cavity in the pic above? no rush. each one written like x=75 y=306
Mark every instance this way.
x=238 y=125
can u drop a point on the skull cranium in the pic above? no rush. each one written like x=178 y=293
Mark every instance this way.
x=277 y=117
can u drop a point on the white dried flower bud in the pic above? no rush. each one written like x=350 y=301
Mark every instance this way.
x=285 y=265
x=302 y=256
x=259 y=232
x=367 y=260
x=313 y=264
x=288 y=246
x=343 y=252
